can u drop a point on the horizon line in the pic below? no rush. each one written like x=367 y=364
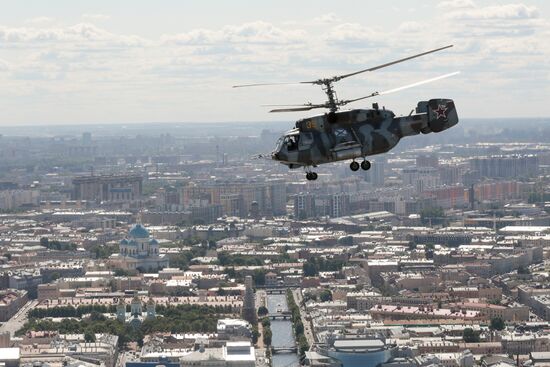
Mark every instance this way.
x=217 y=122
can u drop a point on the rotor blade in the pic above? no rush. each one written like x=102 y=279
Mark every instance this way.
x=264 y=84
x=339 y=77
x=296 y=109
x=401 y=88
x=288 y=105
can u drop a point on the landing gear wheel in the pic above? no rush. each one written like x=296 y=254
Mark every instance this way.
x=354 y=166
x=311 y=176
x=365 y=165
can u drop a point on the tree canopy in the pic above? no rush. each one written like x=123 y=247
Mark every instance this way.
x=314 y=265
x=497 y=324
x=470 y=336
x=175 y=319
x=326 y=295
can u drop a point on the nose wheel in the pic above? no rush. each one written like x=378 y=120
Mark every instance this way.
x=365 y=165
x=311 y=176
x=354 y=166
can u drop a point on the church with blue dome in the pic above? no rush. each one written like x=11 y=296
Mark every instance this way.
x=138 y=250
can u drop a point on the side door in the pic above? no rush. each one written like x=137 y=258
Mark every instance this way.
x=306 y=140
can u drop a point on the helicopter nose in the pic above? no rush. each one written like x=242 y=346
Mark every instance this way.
x=275 y=156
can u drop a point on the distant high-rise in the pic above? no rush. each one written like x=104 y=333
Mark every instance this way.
x=427 y=160
x=276 y=192
x=108 y=188
x=422 y=178
x=496 y=190
x=304 y=206
x=249 y=304
x=308 y=205
x=254 y=210
x=339 y=205
x=375 y=174
x=236 y=196
x=452 y=174
x=509 y=166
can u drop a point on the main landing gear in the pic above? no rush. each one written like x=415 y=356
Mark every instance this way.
x=311 y=176
x=365 y=165
x=354 y=166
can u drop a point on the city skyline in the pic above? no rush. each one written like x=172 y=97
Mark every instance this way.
x=138 y=62
x=153 y=215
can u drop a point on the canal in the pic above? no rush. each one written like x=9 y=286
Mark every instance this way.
x=281 y=330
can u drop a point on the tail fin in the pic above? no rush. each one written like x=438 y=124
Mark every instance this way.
x=441 y=113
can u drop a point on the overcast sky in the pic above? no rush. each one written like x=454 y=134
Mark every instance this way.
x=74 y=62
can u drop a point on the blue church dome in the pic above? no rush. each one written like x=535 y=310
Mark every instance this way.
x=152 y=241
x=139 y=231
x=133 y=243
x=124 y=241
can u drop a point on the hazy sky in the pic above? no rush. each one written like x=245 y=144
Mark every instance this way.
x=70 y=62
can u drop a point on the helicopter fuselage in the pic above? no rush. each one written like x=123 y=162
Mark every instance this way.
x=358 y=133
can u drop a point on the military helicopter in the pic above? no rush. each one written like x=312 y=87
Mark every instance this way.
x=357 y=133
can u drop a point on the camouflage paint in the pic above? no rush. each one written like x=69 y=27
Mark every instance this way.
x=359 y=133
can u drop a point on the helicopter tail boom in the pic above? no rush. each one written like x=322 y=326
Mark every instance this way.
x=434 y=115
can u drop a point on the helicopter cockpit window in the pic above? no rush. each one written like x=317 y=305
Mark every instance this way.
x=279 y=144
x=291 y=142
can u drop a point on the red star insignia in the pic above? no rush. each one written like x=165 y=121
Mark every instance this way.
x=441 y=111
